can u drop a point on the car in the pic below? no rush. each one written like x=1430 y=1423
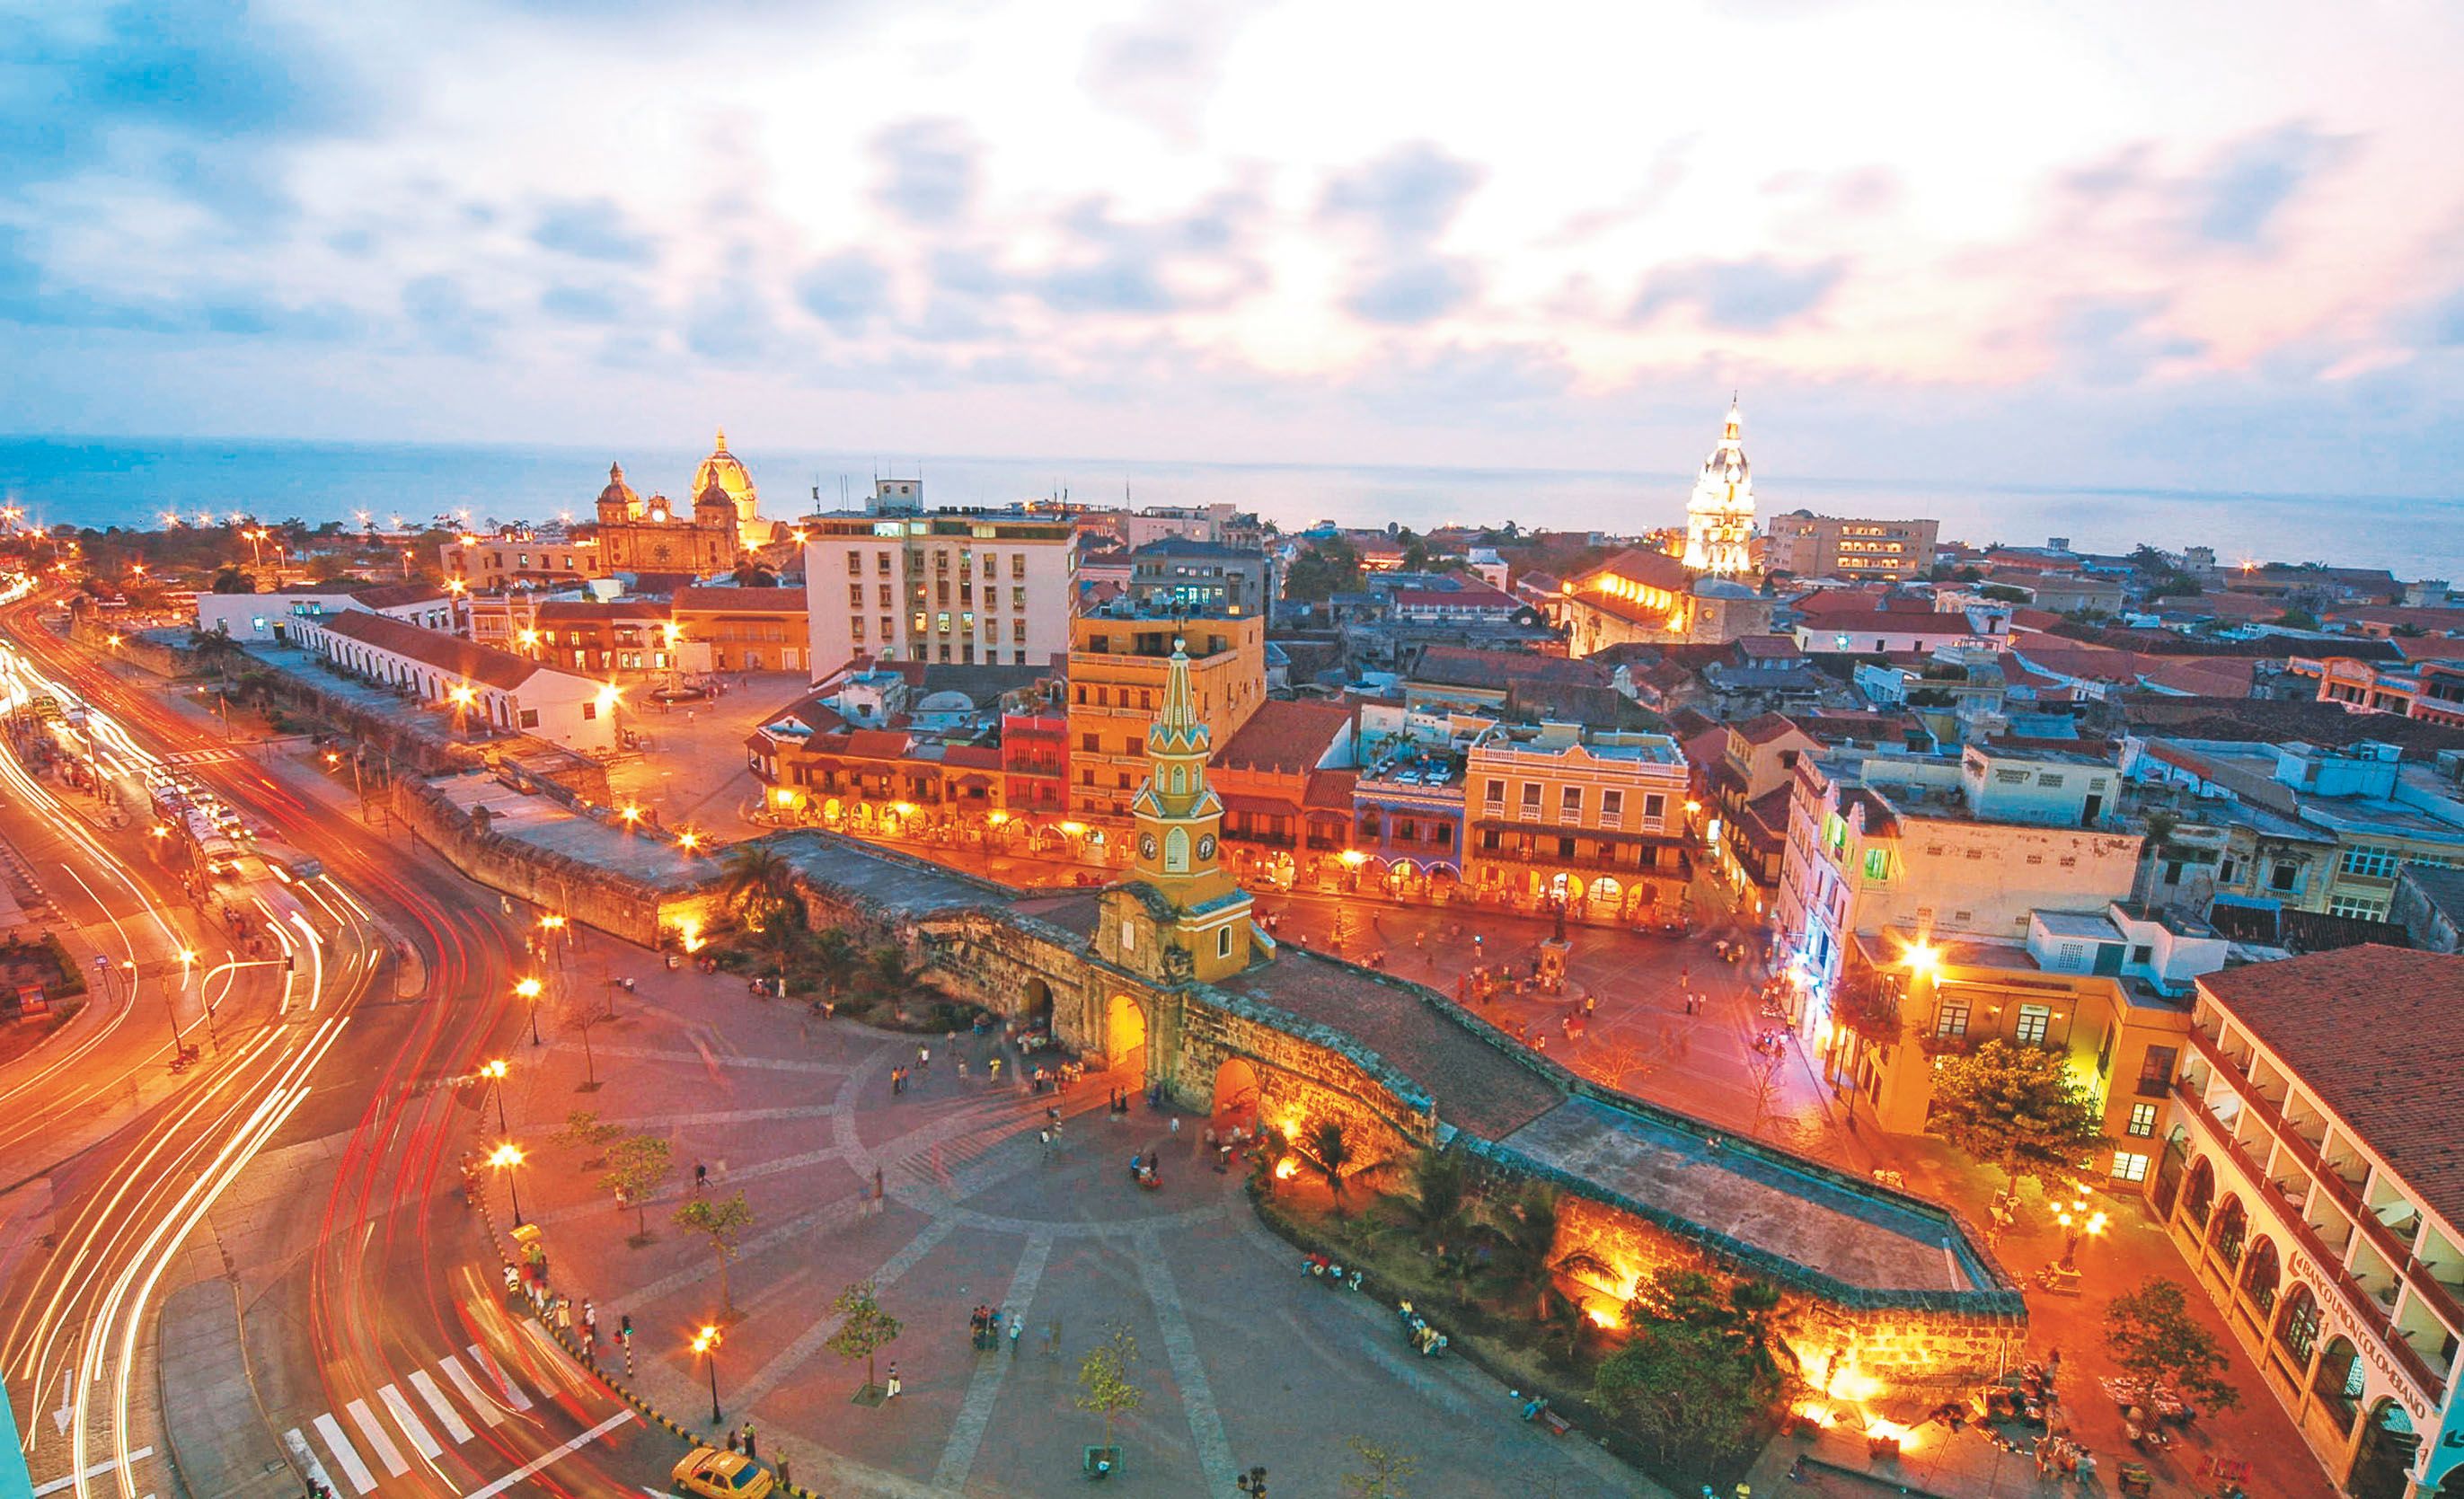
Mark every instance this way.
x=722 y=1475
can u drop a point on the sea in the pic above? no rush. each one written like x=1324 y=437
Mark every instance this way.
x=134 y=482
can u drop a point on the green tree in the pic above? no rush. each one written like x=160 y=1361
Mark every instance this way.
x=864 y=1327
x=1380 y=1472
x=834 y=957
x=723 y=1221
x=230 y=580
x=1108 y=1378
x=2154 y=1337
x=757 y=883
x=886 y=969
x=1686 y=1390
x=2019 y=1108
x=1522 y=1267
x=2297 y=618
x=582 y=1131
x=637 y=1167
x=1440 y=1193
x=1330 y=1151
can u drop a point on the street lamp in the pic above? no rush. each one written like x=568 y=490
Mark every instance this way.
x=528 y=990
x=495 y=1072
x=706 y=1343
x=507 y=1158
x=2076 y=1221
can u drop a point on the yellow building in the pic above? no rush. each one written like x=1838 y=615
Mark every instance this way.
x=1119 y=661
x=1592 y=822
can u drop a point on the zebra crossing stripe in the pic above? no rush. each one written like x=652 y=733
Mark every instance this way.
x=480 y=1399
x=345 y=1453
x=445 y=1415
x=408 y=1420
x=514 y=1396
x=387 y=1452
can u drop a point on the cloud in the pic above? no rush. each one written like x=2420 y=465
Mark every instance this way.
x=1162 y=70
x=1753 y=296
x=445 y=318
x=593 y=229
x=2115 y=340
x=1409 y=195
x=570 y=303
x=1414 y=293
x=930 y=170
x=846 y=291
x=2239 y=197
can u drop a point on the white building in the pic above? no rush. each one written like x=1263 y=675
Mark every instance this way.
x=476 y=684
x=1720 y=514
x=270 y=616
x=979 y=588
x=2310 y=1180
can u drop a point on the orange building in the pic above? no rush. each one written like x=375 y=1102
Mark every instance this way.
x=1118 y=662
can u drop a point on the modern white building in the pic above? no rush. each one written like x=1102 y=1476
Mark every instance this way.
x=979 y=588
x=271 y=616
x=478 y=685
x=2311 y=1180
x=1720 y=514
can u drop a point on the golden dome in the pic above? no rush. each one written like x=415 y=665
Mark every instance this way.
x=727 y=472
x=618 y=492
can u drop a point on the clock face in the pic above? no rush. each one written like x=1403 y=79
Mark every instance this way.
x=1146 y=845
x=1206 y=846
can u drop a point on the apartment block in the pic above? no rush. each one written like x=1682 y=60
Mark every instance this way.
x=1808 y=545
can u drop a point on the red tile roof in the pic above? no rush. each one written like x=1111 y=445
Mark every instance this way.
x=2370 y=1031
x=1285 y=738
x=878 y=744
x=1331 y=790
x=1767 y=727
x=1651 y=569
x=739 y=600
x=450 y=655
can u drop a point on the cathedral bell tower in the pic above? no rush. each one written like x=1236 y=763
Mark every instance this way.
x=1181 y=915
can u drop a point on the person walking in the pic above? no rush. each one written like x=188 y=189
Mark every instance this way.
x=879 y=1190
x=701 y=1178
x=889 y=1390
x=924 y=1057
x=750 y=1451
x=1017 y=1325
x=590 y=1322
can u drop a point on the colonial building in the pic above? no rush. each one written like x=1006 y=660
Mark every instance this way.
x=745 y=629
x=1650 y=598
x=1590 y=824
x=272 y=616
x=2310 y=1180
x=1720 y=513
x=1118 y=666
x=482 y=689
x=519 y=555
x=1201 y=577
x=721 y=525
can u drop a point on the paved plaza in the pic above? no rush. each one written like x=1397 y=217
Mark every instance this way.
x=1245 y=1359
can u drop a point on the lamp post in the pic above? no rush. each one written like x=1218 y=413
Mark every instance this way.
x=706 y=1343
x=508 y=1158
x=2077 y=1222
x=170 y=1012
x=495 y=1072
x=528 y=991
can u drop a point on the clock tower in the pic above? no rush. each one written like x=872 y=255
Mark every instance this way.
x=1195 y=916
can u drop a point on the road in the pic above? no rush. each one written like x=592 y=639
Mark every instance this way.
x=284 y=1209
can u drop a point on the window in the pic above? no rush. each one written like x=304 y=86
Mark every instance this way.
x=2035 y=1020
x=530 y=719
x=886 y=631
x=1613 y=807
x=1878 y=864
x=2049 y=780
x=941 y=622
x=2356 y=906
x=1224 y=941
x=1531 y=798
x=1488 y=840
x=1655 y=807
x=1495 y=796
x=2141 y=955
x=1570 y=803
x=886 y=600
x=1018 y=569
x=1088 y=743
x=2156 y=1070
x=855 y=563
x=2129 y=1167
x=2370 y=862
x=1017 y=636
x=589 y=710
x=1565 y=848
x=1951 y=1019
x=2143 y=1120
x=855 y=595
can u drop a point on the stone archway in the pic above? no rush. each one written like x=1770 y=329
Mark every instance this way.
x=1035 y=1005
x=1237 y=1096
x=2199 y=1195
x=1125 y=1037
x=2389 y=1447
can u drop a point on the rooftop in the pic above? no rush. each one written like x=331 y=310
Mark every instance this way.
x=448 y=654
x=2370 y=1031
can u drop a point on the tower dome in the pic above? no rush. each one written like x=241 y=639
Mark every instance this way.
x=618 y=501
x=727 y=472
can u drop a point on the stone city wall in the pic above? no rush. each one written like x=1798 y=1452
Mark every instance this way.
x=636 y=912
x=88 y=627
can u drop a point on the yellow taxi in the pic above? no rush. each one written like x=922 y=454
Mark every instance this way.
x=723 y=1476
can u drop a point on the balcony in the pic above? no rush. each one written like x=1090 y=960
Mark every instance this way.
x=2364 y=1308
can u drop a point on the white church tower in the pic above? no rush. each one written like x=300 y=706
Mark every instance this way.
x=1720 y=516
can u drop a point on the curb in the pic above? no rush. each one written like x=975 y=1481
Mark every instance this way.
x=644 y=1408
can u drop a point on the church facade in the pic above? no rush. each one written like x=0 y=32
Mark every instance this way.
x=722 y=525
x=1720 y=513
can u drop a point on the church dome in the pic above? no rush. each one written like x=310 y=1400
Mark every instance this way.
x=726 y=471
x=618 y=492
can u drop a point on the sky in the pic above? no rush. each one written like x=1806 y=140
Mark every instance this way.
x=2212 y=245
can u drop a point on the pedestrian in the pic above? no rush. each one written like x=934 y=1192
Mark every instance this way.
x=924 y=1057
x=877 y=1189
x=749 y=1449
x=785 y=1482
x=701 y=1178
x=890 y=1391
x=590 y=1321
x=1176 y=1125
x=564 y=1314
x=994 y=1066
x=734 y=1441
x=1043 y=1137
x=1017 y=1325
x=962 y=1069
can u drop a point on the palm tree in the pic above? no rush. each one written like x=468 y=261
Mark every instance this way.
x=887 y=968
x=1527 y=1230
x=834 y=957
x=1439 y=1192
x=756 y=884
x=1330 y=1152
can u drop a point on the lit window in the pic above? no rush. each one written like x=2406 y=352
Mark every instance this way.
x=2143 y=1121
x=2129 y=1167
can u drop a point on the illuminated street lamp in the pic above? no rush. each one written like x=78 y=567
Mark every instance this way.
x=495 y=1072
x=528 y=991
x=508 y=1158
x=2076 y=1221
x=706 y=1344
x=689 y=841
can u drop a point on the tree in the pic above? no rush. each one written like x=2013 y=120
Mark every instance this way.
x=1527 y=1232
x=2017 y=1107
x=724 y=1220
x=230 y=580
x=2297 y=618
x=834 y=957
x=1330 y=1152
x=581 y=1131
x=1439 y=1194
x=1380 y=1472
x=637 y=1167
x=885 y=967
x=1684 y=1389
x=578 y=1014
x=1108 y=1378
x=864 y=1327
x=2154 y=1337
x=756 y=884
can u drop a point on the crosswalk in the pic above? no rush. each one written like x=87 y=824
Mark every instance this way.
x=378 y=1433
x=203 y=756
